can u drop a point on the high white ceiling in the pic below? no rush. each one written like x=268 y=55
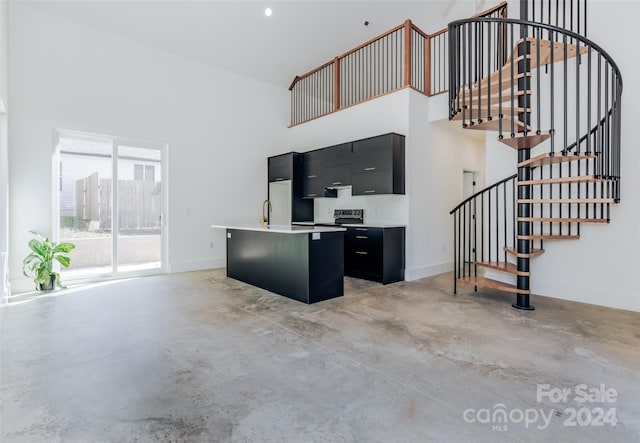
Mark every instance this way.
x=237 y=36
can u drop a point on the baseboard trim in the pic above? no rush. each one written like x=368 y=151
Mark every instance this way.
x=588 y=295
x=198 y=265
x=427 y=271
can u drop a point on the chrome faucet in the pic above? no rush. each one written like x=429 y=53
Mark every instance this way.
x=265 y=217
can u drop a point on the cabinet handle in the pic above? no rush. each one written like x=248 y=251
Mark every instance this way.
x=279 y=179
x=361 y=236
x=311 y=176
x=362 y=252
x=311 y=195
x=370 y=191
x=361 y=229
x=336 y=183
x=369 y=169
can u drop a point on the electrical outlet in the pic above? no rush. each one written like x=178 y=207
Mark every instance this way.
x=211 y=244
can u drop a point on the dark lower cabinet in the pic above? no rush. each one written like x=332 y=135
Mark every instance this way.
x=306 y=267
x=375 y=254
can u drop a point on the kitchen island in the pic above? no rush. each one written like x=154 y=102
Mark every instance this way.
x=305 y=263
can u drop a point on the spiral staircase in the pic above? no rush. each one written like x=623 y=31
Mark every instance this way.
x=554 y=96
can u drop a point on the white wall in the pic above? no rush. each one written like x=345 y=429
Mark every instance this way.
x=4 y=151
x=220 y=128
x=603 y=266
x=436 y=155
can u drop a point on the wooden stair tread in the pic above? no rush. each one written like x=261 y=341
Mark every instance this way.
x=502 y=266
x=574 y=179
x=483 y=112
x=565 y=200
x=494 y=125
x=495 y=83
x=473 y=99
x=548 y=159
x=484 y=282
x=562 y=220
x=532 y=252
x=545 y=52
x=547 y=237
x=522 y=141
x=545 y=57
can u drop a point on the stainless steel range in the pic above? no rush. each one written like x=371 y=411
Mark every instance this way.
x=348 y=216
x=345 y=217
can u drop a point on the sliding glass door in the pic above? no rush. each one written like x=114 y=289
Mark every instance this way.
x=110 y=203
x=139 y=208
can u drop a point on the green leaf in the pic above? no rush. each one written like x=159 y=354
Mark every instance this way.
x=64 y=260
x=38 y=247
x=64 y=247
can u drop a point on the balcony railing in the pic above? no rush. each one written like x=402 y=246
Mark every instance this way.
x=403 y=57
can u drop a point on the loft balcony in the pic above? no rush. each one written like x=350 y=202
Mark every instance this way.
x=403 y=57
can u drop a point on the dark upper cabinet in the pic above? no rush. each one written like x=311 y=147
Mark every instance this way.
x=337 y=155
x=337 y=176
x=326 y=168
x=280 y=167
x=371 y=183
x=377 y=165
x=313 y=164
x=290 y=167
x=373 y=165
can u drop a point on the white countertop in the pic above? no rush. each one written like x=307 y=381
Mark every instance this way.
x=282 y=229
x=374 y=225
x=357 y=225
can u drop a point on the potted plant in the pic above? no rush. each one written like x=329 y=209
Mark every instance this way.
x=39 y=263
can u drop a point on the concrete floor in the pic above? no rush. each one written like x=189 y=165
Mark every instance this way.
x=197 y=357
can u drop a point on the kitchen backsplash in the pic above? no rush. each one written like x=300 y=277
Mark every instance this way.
x=390 y=208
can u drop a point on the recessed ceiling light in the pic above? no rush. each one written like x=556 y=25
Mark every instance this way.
x=268 y=12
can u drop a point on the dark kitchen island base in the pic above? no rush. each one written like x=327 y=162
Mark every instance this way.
x=305 y=266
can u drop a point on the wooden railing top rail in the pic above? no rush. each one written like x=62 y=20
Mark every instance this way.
x=387 y=33
x=313 y=71
x=373 y=40
x=478 y=15
x=491 y=10
x=418 y=30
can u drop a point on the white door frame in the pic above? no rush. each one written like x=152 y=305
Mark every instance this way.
x=164 y=225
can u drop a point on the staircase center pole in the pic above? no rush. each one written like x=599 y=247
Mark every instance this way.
x=523 y=246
